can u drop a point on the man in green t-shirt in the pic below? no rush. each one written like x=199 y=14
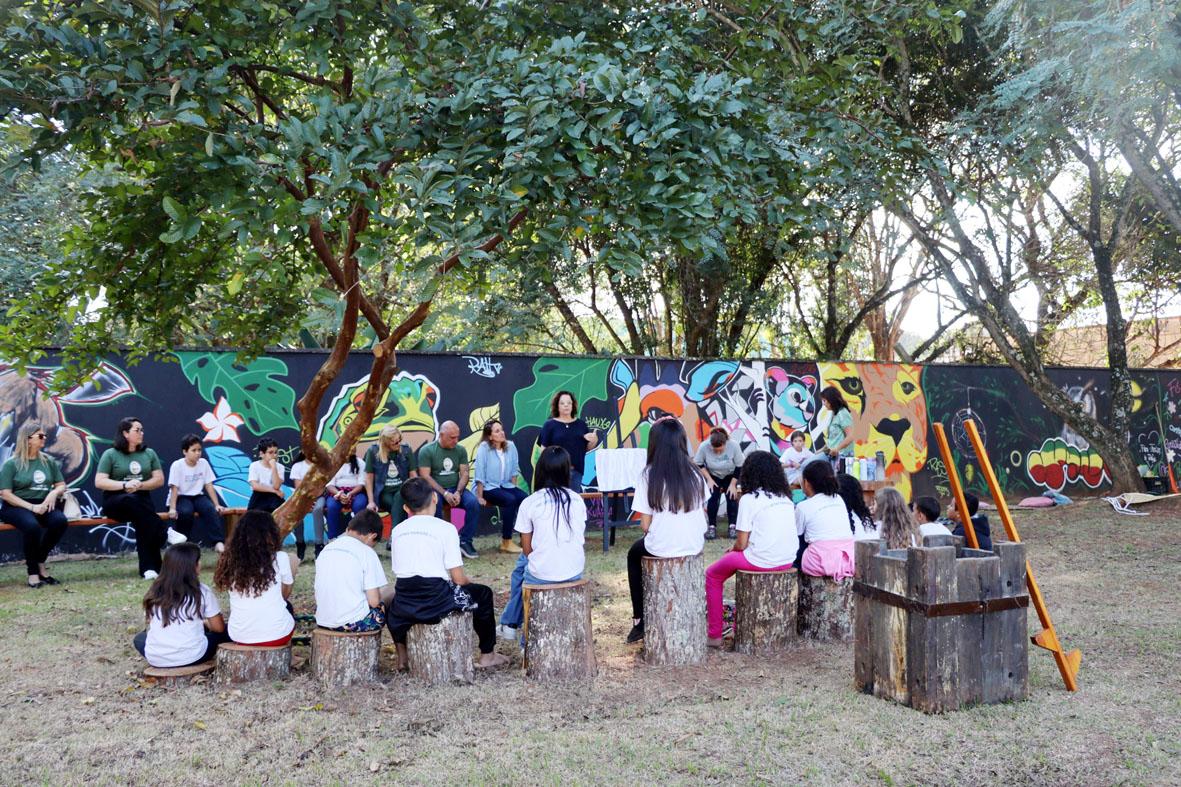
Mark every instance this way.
x=443 y=463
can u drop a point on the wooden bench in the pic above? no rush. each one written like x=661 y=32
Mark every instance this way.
x=230 y=517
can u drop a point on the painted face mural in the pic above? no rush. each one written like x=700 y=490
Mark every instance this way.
x=889 y=413
x=791 y=401
x=410 y=402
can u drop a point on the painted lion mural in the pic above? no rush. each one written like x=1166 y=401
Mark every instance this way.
x=889 y=413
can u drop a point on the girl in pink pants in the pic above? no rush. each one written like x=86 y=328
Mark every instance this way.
x=767 y=539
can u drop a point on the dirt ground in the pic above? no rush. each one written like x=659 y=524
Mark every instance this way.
x=74 y=710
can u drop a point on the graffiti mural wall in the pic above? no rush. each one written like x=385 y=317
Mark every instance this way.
x=232 y=405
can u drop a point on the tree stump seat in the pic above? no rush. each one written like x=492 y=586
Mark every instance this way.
x=825 y=610
x=442 y=652
x=674 y=610
x=178 y=676
x=345 y=658
x=765 y=608
x=238 y=663
x=559 y=643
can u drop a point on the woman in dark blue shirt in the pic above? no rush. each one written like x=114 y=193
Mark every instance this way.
x=566 y=429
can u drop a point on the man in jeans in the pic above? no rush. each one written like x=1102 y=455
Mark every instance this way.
x=444 y=465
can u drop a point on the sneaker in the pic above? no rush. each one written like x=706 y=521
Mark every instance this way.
x=150 y=575
x=176 y=537
x=636 y=634
x=468 y=551
x=711 y=533
x=733 y=532
x=219 y=547
x=507 y=633
x=319 y=549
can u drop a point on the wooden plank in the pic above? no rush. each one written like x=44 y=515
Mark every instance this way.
x=932 y=643
x=957 y=489
x=865 y=569
x=890 y=631
x=977 y=579
x=1011 y=679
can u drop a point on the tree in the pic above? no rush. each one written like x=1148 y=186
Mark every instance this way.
x=251 y=151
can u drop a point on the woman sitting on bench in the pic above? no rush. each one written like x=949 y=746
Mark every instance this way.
x=259 y=577
x=31 y=484
x=127 y=472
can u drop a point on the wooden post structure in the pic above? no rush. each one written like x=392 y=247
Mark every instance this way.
x=674 y=610
x=939 y=627
x=825 y=610
x=765 y=610
x=442 y=652
x=241 y=663
x=1068 y=663
x=957 y=489
x=559 y=644
x=179 y=676
x=343 y=658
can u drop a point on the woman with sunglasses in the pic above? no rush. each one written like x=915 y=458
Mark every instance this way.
x=31 y=484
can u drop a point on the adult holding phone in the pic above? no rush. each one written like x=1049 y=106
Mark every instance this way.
x=565 y=429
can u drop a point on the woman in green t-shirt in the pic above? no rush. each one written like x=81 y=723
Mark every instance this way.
x=31 y=485
x=838 y=438
x=127 y=473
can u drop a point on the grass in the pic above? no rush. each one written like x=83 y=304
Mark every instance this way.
x=75 y=710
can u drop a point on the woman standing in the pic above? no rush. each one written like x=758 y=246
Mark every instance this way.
x=388 y=464
x=838 y=437
x=127 y=473
x=564 y=428
x=670 y=499
x=31 y=484
x=496 y=477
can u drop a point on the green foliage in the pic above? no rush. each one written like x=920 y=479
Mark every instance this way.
x=254 y=390
x=586 y=378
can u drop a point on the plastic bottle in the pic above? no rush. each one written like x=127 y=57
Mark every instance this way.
x=881 y=463
x=871 y=469
x=855 y=469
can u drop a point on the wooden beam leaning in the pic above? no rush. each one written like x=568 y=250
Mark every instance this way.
x=957 y=489
x=1068 y=663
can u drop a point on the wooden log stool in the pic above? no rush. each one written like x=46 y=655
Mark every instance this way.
x=242 y=663
x=941 y=627
x=674 y=610
x=344 y=658
x=765 y=610
x=825 y=610
x=442 y=652
x=178 y=676
x=559 y=644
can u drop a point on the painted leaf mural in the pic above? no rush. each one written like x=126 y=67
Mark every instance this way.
x=587 y=378
x=255 y=391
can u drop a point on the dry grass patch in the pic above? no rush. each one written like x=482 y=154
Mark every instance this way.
x=75 y=710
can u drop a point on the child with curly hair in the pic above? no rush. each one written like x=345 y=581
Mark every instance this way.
x=259 y=577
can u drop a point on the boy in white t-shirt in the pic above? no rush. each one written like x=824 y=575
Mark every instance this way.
x=926 y=513
x=190 y=491
x=794 y=458
x=349 y=578
x=431 y=583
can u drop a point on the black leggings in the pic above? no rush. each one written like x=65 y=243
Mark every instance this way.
x=212 y=640
x=715 y=497
x=635 y=576
x=137 y=508
x=40 y=532
x=483 y=618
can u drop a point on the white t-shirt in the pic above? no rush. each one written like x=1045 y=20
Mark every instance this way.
x=344 y=571
x=424 y=546
x=771 y=522
x=671 y=534
x=264 y=617
x=261 y=474
x=823 y=518
x=190 y=481
x=298 y=471
x=863 y=533
x=557 y=549
x=796 y=459
x=933 y=529
x=182 y=641
x=345 y=478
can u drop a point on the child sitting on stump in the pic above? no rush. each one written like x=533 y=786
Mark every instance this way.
x=185 y=625
x=259 y=577
x=349 y=578
x=979 y=521
x=431 y=583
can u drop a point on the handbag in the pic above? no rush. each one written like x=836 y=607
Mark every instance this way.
x=70 y=506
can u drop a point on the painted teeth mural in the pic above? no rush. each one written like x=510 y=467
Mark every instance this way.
x=230 y=405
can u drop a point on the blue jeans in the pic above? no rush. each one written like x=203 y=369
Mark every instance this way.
x=334 y=510
x=576 y=480
x=193 y=508
x=471 y=516
x=514 y=608
x=508 y=500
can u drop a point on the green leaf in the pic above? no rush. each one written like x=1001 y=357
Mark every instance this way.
x=234 y=285
x=254 y=390
x=173 y=208
x=585 y=377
